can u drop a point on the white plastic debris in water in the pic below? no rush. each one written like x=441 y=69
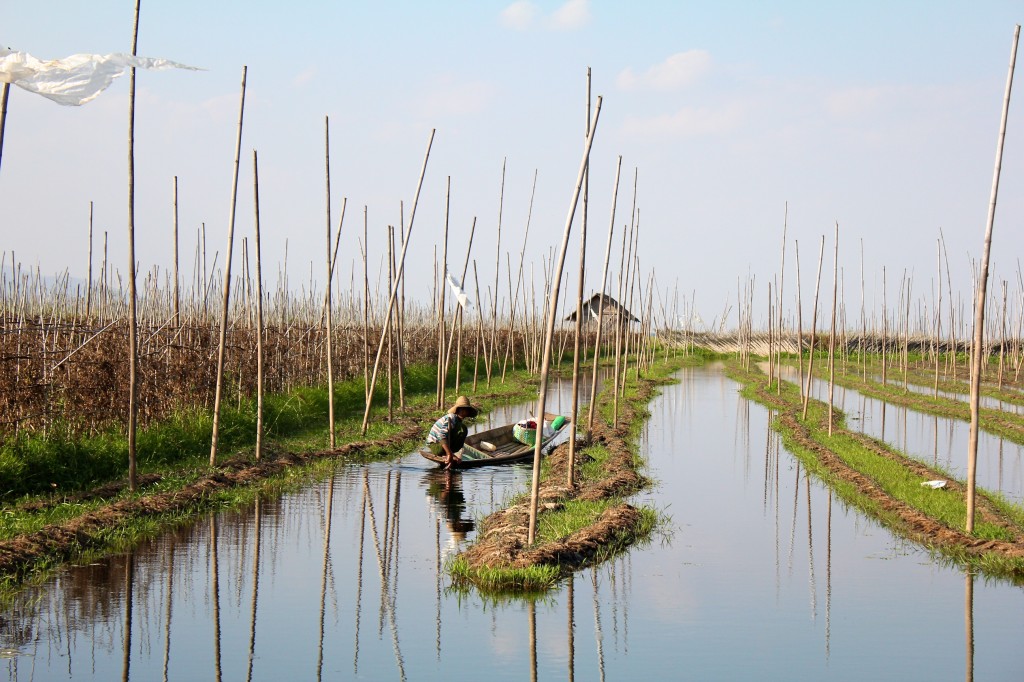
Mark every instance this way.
x=934 y=484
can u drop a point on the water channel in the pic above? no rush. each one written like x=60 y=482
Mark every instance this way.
x=761 y=574
x=934 y=440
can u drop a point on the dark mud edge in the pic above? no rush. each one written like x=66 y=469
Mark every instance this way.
x=502 y=542
x=57 y=543
x=898 y=515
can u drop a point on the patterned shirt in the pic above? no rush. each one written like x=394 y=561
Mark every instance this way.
x=443 y=427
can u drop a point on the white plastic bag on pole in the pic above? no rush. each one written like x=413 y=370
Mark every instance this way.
x=74 y=80
x=457 y=291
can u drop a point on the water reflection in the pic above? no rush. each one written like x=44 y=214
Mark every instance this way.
x=446 y=488
x=935 y=440
x=345 y=578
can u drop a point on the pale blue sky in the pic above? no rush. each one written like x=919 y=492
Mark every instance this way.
x=880 y=115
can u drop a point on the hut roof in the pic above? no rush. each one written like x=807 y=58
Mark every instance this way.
x=593 y=306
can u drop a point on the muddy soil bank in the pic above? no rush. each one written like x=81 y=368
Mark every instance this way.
x=901 y=516
x=502 y=542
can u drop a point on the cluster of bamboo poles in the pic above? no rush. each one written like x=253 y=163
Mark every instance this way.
x=897 y=330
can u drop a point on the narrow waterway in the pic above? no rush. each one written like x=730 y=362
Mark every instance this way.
x=761 y=574
x=935 y=440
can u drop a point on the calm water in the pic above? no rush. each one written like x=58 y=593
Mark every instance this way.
x=931 y=439
x=761 y=575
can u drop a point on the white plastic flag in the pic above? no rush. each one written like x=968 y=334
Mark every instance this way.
x=76 y=79
x=459 y=293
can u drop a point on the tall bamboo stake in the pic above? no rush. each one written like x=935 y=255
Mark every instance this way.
x=799 y=321
x=579 y=310
x=979 y=309
x=259 y=314
x=814 y=328
x=177 y=292
x=88 y=288
x=832 y=334
x=443 y=270
x=366 y=306
x=3 y=114
x=497 y=271
x=133 y=323
x=330 y=278
x=510 y=344
x=600 y=309
x=782 y=282
x=227 y=281
x=394 y=291
x=552 y=316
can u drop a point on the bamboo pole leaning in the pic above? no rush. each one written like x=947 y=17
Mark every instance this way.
x=552 y=313
x=832 y=333
x=330 y=301
x=979 y=310
x=579 y=310
x=227 y=282
x=259 y=313
x=394 y=290
x=814 y=327
x=133 y=323
x=601 y=305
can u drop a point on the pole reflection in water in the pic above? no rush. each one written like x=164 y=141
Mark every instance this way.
x=531 y=609
x=828 y=580
x=969 y=623
x=598 y=636
x=387 y=606
x=571 y=629
x=255 y=587
x=678 y=604
x=216 y=597
x=323 y=578
x=359 y=572
x=170 y=605
x=917 y=435
x=129 y=582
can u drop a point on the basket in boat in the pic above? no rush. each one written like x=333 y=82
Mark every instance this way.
x=524 y=435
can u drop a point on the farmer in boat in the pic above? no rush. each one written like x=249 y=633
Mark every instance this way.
x=448 y=433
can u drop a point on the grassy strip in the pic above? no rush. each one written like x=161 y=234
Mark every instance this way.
x=576 y=527
x=999 y=423
x=40 y=532
x=886 y=484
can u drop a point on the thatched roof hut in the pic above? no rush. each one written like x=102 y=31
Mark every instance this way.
x=613 y=311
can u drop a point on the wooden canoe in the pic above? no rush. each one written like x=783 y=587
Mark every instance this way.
x=506 y=448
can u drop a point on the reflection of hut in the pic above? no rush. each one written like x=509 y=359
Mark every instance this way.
x=613 y=312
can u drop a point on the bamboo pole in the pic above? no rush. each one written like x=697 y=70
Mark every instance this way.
x=799 y=321
x=579 y=311
x=330 y=278
x=510 y=345
x=259 y=314
x=3 y=115
x=814 y=328
x=497 y=271
x=227 y=281
x=443 y=270
x=832 y=334
x=480 y=327
x=133 y=323
x=782 y=282
x=552 y=315
x=600 y=309
x=394 y=291
x=979 y=310
x=177 y=292
x=88 y=287
x=366 y=306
